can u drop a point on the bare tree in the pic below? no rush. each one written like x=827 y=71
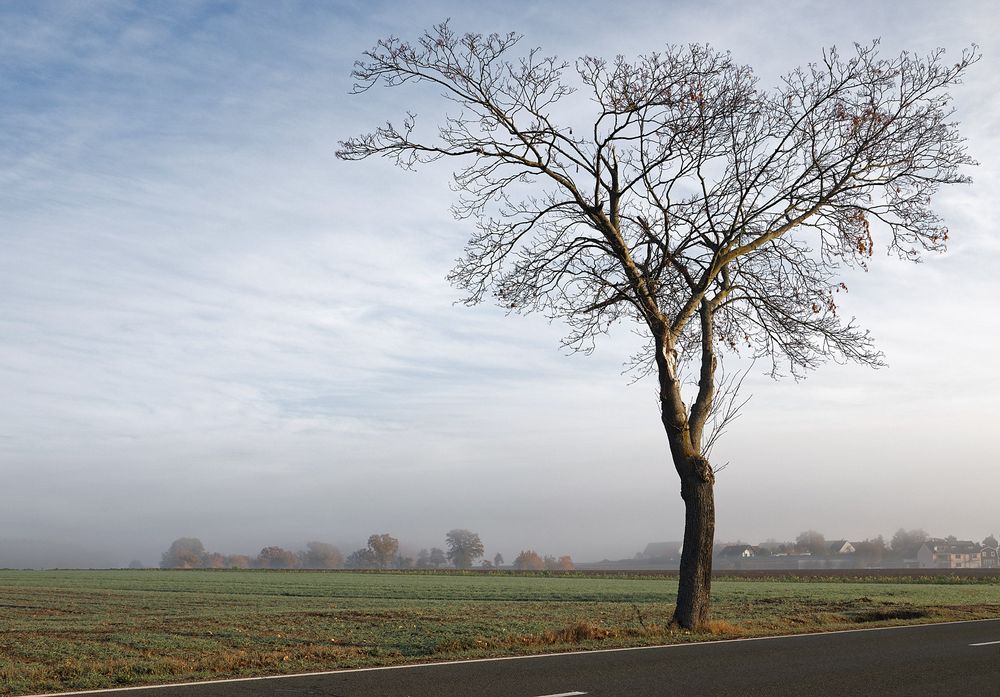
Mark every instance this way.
x=276 y=558
x=437 y=557
x=811 y=541
x=363 y=558
x=870 y=551
x=711 y=213
x=906 y=543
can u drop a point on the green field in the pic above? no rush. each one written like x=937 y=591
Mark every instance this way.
x=63 y=630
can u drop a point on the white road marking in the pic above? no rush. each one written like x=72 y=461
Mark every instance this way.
x=985 y=643
x=565 y=694
x=405 y=666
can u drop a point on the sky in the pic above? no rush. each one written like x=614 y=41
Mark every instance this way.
x=211 y=327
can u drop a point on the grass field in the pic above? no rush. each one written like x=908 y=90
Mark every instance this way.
x=63 y=630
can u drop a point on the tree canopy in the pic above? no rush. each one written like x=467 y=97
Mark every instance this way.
x=464 y=547
x=184 y=553
x=684 y=188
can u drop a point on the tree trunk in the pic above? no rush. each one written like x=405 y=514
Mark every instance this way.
x=695 y=578
x=697 y=482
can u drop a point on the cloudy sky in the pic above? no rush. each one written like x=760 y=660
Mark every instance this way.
x=210 y=326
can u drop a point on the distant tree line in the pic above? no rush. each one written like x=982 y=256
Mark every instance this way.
x=530 y=560
x=190 y=553
x=464 y=550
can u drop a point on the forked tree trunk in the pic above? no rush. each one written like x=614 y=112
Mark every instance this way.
x=695 y=578
x=697 y=488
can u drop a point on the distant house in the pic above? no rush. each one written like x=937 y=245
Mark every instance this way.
x=989 y=558
x=738 y=552
x=944 y=554
x=840 y=547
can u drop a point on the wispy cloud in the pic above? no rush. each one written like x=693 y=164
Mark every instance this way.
x=204 y=314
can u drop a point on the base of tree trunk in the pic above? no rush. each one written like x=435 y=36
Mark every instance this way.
x=694 y=585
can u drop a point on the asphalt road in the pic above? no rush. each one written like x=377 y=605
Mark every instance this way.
x=954 y=659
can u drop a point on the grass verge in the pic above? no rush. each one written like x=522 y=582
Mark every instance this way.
x=74 y=630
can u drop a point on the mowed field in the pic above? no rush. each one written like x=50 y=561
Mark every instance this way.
x=70 y=630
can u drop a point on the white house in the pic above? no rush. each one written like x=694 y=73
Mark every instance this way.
x=840 y=547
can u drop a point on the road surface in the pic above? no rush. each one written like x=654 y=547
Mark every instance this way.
x=953 y=659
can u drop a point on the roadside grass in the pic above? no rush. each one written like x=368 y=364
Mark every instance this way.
x=73 y=630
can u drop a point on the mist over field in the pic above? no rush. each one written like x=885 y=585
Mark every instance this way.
x=210 y=327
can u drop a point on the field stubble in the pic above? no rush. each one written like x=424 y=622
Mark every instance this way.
x=64 y=630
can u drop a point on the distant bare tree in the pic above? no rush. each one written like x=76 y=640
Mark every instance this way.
x=811 y=541
x=276 y=558
x=464 y=547
x=361 y=559
x=498 y=560
x=906 y=543
x=384 y=549
x=870 y=551
x=184 y=553
x=423 y=559
x=437 y=557
x=711 y=213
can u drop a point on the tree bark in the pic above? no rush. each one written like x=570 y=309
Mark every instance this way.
x=695 y=578
x=697 y=490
